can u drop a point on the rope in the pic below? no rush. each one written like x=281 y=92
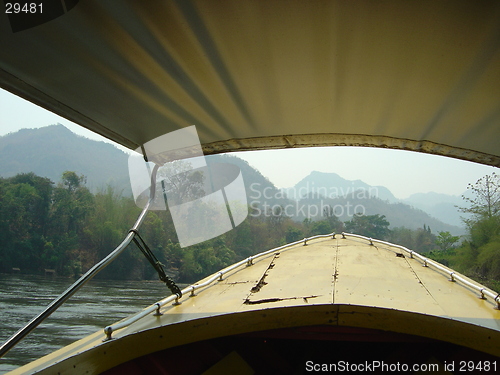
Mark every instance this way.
x=155 y=263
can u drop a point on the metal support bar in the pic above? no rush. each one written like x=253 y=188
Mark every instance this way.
x=55 y=304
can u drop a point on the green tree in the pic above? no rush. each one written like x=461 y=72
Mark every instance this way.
x=25 y=202
x=425 y=240
x=484 y=235
x=321 y=227
x=108 y=222
x=293 y=234
x=373 y=226
x=485 y=202
x=72 y=204
x=336 y=225
x=276 y=220
x=180 y=182
x=479 y=254
x=403 y=236
x=488 y=261
x=445 y=241
x=241 y=240
x=205 y=258
x=173 y=255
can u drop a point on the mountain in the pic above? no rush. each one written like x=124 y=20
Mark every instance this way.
x=331 y=185
x=51 y=150
x=440 y=206
x=320 y=189
x=261 y=193
x=397 y=214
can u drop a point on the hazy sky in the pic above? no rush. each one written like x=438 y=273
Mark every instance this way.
x=403 y=172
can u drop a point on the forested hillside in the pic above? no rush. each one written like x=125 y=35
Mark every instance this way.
x=67 y=228
x=399 y=214
x=478 y=256
x=51 y=150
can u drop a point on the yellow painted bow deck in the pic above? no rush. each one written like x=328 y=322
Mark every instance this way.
x=337 y=298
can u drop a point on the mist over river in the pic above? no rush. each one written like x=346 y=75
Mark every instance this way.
x=98 y=304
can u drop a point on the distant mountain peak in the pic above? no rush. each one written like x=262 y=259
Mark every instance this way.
x=332 y=185
x=319 y=173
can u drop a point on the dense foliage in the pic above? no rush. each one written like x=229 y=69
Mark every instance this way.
x=68 y=229
x=478 y=256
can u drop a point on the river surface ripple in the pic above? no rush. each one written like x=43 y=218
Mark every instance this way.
x=98 y=304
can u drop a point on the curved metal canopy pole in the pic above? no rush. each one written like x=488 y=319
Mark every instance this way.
x=55 y=304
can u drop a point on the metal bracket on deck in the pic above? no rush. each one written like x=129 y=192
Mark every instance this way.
x=192 y=292
x=157 y=312
x=482 y=296
x=108 y=331
x=176 y=302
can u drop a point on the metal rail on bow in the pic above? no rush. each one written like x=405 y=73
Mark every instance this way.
x=218 y=276
x=190 y=289
x=454 y=276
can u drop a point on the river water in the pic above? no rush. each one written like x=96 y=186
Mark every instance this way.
x=98 y=304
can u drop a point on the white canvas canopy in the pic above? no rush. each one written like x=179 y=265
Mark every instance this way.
x=413 y=75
